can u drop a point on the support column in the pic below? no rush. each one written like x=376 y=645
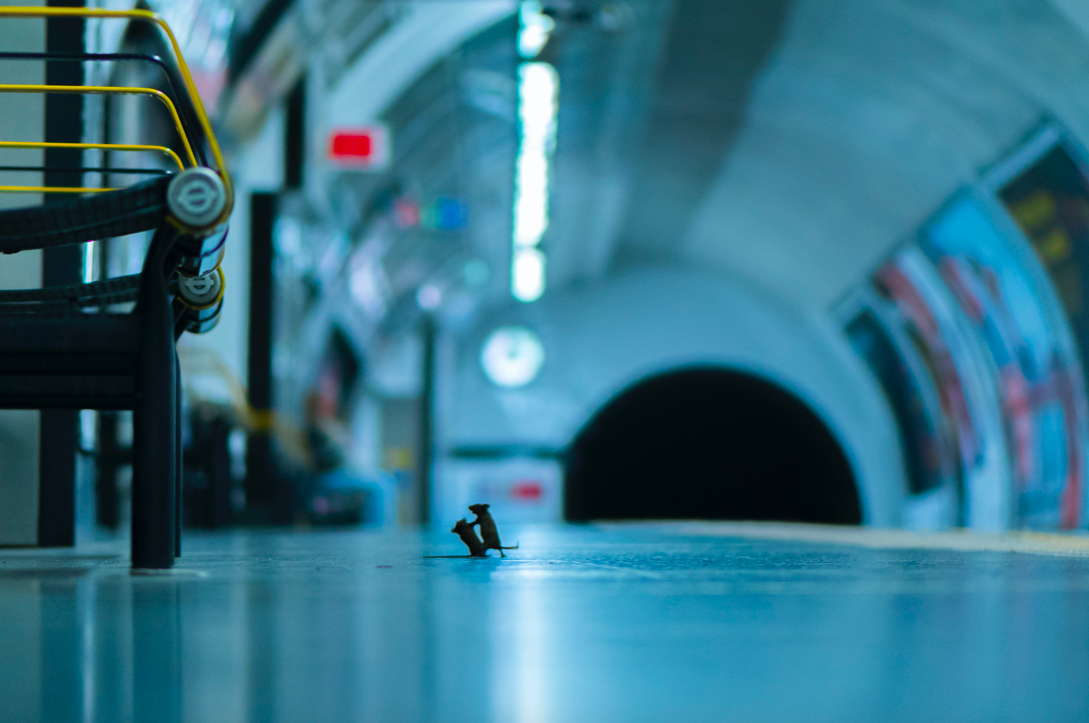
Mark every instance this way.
x=59 y=429
x=425 y=458
x=260 y=472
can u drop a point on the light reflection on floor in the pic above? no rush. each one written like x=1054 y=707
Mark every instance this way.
x=624 y=623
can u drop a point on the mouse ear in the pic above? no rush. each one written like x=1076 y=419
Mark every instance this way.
x=485 y=505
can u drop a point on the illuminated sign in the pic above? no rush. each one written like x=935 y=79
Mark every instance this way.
x=365 y=148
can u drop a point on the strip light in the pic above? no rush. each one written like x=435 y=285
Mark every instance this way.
x=538 y=93
x=536 y=28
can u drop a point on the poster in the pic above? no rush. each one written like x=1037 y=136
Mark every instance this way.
x=912 y=396
x=970 y=427
x=1049 y=201
x=1007 y=305
x=1045 y=190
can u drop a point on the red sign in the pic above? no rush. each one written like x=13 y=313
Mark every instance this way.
x=527 y=489
x=363 y=148
x=353 y=145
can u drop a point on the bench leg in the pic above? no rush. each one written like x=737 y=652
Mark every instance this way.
x=154 y=462
x=177 y=456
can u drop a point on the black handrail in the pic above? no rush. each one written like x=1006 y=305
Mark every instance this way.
x=120 y=285
x=139 y=207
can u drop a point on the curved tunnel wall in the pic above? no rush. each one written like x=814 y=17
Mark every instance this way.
x=708 y=443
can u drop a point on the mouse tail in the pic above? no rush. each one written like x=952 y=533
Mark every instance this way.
x=515 y=547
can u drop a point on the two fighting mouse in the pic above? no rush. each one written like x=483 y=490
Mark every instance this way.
x=488 y=531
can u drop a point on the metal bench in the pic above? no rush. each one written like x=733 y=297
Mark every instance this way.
x=69 y=347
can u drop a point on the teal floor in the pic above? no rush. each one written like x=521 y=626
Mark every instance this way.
x=582 y=624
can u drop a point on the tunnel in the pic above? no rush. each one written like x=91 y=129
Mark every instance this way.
x=708 y=443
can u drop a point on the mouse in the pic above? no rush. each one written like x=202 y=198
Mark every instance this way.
x=488 y=531
x=465 y=531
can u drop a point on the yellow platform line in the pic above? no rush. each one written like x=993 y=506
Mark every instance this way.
x=1060 y=544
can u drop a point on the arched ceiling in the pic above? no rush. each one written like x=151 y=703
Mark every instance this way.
x=792 y=142
x=867 y=116
x=714 y=52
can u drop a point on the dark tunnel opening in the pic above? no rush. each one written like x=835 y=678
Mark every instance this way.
x=708 y=443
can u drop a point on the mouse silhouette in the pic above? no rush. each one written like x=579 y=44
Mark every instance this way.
x=465 y=531
x=488 y=531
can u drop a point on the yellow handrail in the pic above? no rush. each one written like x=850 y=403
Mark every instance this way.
x=52 y=189
x=149 y=17
x=102 y=146
x=106 y=90
x=198 y=360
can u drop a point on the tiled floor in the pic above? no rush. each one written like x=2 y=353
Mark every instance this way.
x=582 y=624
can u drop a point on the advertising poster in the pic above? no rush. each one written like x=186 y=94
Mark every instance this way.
x=1047 y=195
x=912 y=396
x=1006 y=304
x=929 y=318
x=1049 y=200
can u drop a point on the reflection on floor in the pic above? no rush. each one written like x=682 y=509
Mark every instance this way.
x=622 y=623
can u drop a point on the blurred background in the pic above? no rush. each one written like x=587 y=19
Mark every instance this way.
x=809 y=260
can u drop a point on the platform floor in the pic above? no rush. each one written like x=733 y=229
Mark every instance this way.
x=675 y=622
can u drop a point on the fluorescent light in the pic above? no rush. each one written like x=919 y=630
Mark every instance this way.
x=528 y=274
x=531 y=202
x=536 y=27
x=538 y=92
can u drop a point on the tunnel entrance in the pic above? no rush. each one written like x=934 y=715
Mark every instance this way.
x=708 y=443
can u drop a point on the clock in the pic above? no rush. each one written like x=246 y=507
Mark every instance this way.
x=512 y=356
